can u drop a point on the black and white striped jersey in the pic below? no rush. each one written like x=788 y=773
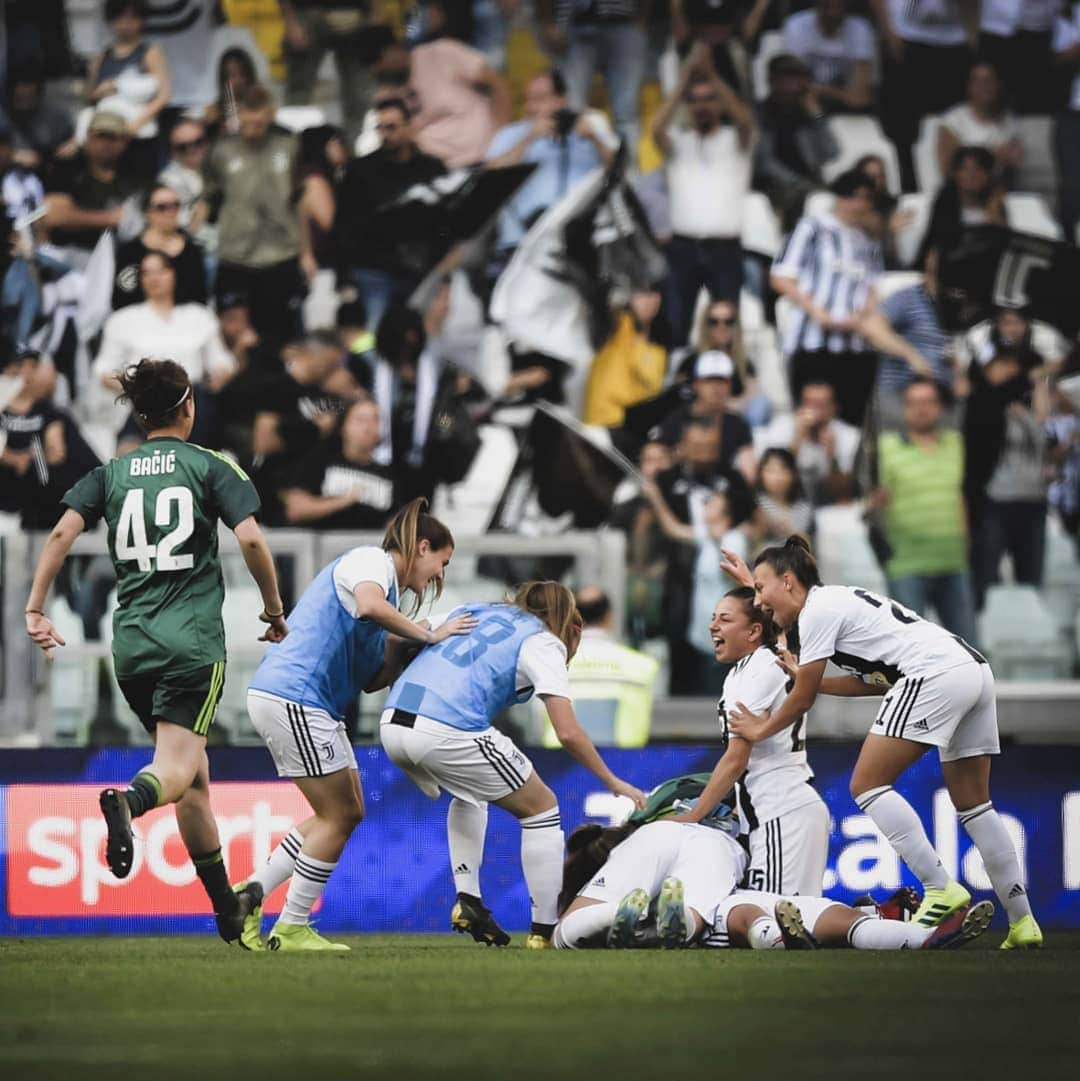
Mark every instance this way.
x=837 y=266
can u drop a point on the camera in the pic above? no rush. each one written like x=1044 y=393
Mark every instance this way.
x=565 y=119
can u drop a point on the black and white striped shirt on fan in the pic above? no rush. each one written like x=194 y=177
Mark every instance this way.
x=837 y=266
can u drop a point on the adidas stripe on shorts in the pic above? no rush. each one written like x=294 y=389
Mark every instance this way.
x=810 y=908
x=788 y=853
x=303 y=741
x=478 y=767
x=708 y=861
x=954 y=710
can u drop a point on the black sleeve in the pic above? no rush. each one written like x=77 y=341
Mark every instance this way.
x=191 y=275
x=309 y=471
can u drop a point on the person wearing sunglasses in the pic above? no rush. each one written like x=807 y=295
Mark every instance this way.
x=161 y=212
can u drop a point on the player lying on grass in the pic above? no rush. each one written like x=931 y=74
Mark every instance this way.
x=162 y=503
x=786 y=821
x=300 y=692
x=939 y=692
x=437 y=727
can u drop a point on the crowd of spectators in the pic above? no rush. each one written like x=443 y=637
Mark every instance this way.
x=145 y=221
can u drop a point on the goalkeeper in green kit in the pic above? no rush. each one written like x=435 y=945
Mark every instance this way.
x=162 y=503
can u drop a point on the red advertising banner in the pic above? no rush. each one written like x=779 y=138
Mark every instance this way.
x=56 y=850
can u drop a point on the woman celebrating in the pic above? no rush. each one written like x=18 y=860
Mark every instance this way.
x=299 y=694
x=786 y=820
x=939 y=692
x=162 y=504
x=437 y=727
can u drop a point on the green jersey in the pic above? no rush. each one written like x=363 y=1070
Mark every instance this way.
x=162 y=503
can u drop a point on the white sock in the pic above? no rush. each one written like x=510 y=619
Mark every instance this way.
x=896 y=818
x=542 y=851
x=763 y=934
x=308 y=882
x=466 y=828
x=985 y=828
x=280 y=864
x=571 y=931
x=871 y=933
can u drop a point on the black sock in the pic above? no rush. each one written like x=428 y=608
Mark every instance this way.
x=143 y=794
x=545 y=930
x=210 y=868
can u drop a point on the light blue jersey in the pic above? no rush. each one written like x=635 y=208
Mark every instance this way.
x=330 y=655
x=467 y=680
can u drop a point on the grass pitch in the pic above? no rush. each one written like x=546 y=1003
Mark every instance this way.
x=404 y=1007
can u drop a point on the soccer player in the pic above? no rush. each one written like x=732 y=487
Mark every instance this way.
x=688 y=867
x=939 y=692
x=337 y=648
x=786 y=820
x=437 y=727
x=162 y=503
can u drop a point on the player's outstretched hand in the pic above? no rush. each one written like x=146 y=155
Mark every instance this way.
x=735 y=565
x=462 y=624
x=622 y=788
x=43 y=633
x=786 y=660
x=747 y=725
x=277 y=628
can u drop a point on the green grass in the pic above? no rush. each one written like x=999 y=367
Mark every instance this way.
x=152 y=1009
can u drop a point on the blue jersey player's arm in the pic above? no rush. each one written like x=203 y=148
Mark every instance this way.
x=371 y=603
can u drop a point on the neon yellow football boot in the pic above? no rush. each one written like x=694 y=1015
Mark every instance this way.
x=1023 y=935
x=251 y=930
x=286 y=937
x=938 y=905
x=538 y=942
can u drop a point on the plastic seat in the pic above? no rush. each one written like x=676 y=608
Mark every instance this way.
x=761 y=232
x=859 y=135
x=1028 y=212
x=925 y=157
x=770 y=44
x=1021 y=642
x=298 y=118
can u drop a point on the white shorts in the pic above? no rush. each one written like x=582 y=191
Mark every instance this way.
x=788 y=853
x=810 y=908
x=478 y=767
x=302 y=740
x=955 y=711
x=708 y=862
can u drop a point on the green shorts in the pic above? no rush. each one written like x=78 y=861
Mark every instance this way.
x=189 y=700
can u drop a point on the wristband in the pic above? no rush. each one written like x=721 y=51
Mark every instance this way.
x=274 y=615
x=33 y=612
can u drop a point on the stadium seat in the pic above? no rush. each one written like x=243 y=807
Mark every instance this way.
x=761 y=232
x=924 y=155
x=1038 y=171
x=1061 y=576
x=859 y=135
x=1028 y=212
x=915 y=208
x=770 y=44
x=843 y=551
x=1020 y=641
x=818 y=203
x=298 y=118
x=895 y=280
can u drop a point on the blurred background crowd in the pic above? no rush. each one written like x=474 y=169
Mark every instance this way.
x=706 y=272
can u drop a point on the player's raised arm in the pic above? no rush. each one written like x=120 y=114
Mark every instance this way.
x=38 y=625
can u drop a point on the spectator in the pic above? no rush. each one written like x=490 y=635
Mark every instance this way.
x=189 y=146
x=607 y=37
x=352 y=32
x=970 y=199
x=86 y=195
x=612 y=684
x=159 y=327
x=1067 y=122
x=724 y=26
x=21 y=187
x=629 y=368
x=839 y=49
x=1015 y=36
x=719 y=329
x=39 y=131
x=711 y=380
x=708 y=174
x=338 y=484
x=351 y=326
x=926 y=55
x=161 y=208
x=236 y=75
x=1037 y=344
x=794 y=142
x=782 y=505
x=827 y=270
x=920 y=489
x=1063 y=433
x=370 y=183
x=252 y=177
x=131 y=78
x=825 y=447
x=463 y=100
x=323 y=160
x=1005 y=480
x=42 y=451
x=565 y=147
x=981 y=120
x=907 y=330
